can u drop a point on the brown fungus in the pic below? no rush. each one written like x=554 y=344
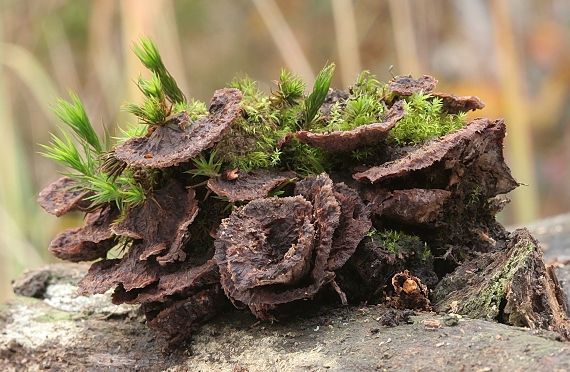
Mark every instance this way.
x=167 y=147
x=276 y=250
x=189 y=277
x=453 y=104
x=354 y=224
x=177 y=321
x=411 y=293
x=478 y=145
x=162 y=223
x=87 y=243
x=63 y=196
x=268 y=241
x=130 y=271
x=365 y=135
x=414 y=206
x=406 y=85
x=159 y=228
x=248 y=186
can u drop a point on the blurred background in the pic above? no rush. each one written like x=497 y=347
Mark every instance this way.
x=514 y=55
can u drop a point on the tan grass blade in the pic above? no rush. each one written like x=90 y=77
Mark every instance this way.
x=284 y=39
x=519 y=147
x=346 y=40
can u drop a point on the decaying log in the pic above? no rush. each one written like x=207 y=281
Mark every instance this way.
x=513 y=286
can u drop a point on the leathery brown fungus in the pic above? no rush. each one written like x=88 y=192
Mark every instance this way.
x=378 y=194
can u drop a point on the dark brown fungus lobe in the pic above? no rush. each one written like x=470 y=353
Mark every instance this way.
x=276 y=250
x=249 y=186
x=477 y=146
x=365 y=135
x=162 y=223
x=86 y=243
x=406 y=85
x=319 y=190
x=63 y=196
x=129 y=271
x=189 y=277
x=177 y=321
x=453 y=104
x=169 y=147
x=414 y=206
x=353 y=226
x=410 y=292
x=268 y=241
x=160 y=229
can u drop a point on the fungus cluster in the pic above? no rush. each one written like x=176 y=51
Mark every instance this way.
x=331 y=204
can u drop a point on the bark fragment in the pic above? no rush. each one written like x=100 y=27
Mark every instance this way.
x=512 y=286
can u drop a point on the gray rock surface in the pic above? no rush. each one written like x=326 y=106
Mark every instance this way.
x=61 y=331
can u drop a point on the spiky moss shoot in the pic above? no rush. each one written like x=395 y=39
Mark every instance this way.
x=363 y=106
x=315 y=100
x=290 y=90
x=93 y=165
x=398 y=242
x=424 y=120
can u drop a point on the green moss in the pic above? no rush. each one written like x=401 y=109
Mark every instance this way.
x=424 y=120
x=57 y=316
x=398 y=242
x=364 y=105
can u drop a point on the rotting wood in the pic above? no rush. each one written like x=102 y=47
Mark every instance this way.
x=512 y=286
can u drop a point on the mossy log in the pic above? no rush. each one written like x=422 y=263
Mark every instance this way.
x=512 y=286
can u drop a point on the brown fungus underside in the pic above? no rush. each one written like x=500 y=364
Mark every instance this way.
x=278 y=250
x=87 y=243
x=326 y=240
x=247 y=186
x=63 y=196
